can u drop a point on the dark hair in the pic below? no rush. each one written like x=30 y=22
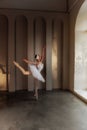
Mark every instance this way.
x=35 y=56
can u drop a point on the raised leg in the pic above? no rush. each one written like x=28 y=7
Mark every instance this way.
x=21 y=68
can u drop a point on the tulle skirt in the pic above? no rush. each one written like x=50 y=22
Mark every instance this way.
x=36 y=73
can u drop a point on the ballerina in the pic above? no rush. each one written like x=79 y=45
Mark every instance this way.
x=35 y=69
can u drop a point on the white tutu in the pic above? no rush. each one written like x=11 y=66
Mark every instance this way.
x=36 y=72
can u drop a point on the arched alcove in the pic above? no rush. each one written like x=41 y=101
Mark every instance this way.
x=40 y=41
x=80 y=75
x=3 y=52
x=57 y=50
x=21 y=39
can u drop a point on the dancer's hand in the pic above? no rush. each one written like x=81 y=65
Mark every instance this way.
x=25 y=60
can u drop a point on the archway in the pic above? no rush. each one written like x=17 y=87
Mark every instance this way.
x=80 y=75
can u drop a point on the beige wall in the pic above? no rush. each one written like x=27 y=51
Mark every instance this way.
x=72 y=21
x=27 y=35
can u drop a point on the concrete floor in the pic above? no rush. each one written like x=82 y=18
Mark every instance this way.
x=53 y=111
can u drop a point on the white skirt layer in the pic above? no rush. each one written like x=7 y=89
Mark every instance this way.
x=36 y=74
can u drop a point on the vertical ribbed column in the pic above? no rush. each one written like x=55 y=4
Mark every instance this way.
x=21 y=51
x=3 y=52
x=57 y=54
x=65 y=56
x=49 y=54
x=30 y=50
x=11 y=54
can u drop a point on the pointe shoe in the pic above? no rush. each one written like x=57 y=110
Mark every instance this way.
x=36 y=96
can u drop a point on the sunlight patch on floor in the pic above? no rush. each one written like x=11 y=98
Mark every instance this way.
x=82 y=93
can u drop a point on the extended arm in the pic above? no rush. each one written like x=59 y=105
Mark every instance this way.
x=43 y=54
x=29 y=62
